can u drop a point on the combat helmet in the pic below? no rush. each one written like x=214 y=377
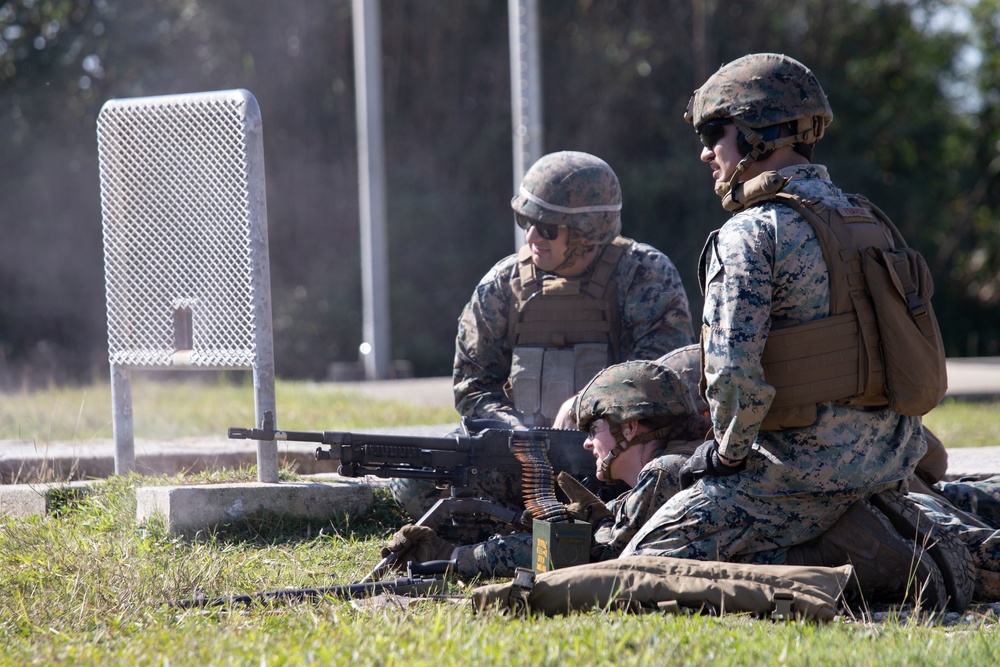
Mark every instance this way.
x=629 y=391
x=758 y=92
x=686 y=363
x=575 y=189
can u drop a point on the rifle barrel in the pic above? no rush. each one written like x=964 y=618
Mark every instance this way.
x=337 y=438
x=408 y=586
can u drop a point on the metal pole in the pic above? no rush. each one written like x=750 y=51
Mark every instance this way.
x=121 y=419
x=699 y=40
x=376 y=345
x=260 y=280
x=525 y=90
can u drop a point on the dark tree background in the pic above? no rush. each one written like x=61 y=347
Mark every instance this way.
x=915 y=90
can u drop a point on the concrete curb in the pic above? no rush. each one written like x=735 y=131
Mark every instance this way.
x=187 y=510
x=95 y=459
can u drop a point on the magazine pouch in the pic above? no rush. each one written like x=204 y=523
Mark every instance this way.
x=900 y=287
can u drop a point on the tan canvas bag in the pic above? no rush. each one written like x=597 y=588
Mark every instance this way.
x=650 y=583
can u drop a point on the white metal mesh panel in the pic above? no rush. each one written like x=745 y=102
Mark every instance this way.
x=184 y=228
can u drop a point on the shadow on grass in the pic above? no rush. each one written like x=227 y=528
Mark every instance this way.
x=382 y=518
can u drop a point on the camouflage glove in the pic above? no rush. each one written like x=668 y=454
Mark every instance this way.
x=416 y=543
x=705 y=462
x=583 y=504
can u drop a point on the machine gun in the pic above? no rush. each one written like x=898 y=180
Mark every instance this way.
x=456 y=461
x=531 y=457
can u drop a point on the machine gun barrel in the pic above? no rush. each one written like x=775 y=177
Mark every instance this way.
x=337 y=438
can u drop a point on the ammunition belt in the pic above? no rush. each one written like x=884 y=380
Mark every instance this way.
x=538 y=482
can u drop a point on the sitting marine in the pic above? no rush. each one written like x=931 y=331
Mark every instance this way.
x=577 y=297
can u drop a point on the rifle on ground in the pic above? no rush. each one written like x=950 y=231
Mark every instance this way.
x=533 y=457
x=410 y=585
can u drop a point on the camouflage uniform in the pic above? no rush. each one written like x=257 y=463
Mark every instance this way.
x=499 y=555
x=979 y=497
x=581 y=192
x=980 y=535
x=655 y=318
x=764 y=266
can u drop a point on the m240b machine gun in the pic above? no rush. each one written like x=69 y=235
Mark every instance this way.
x=532 y=458
x=457 y=461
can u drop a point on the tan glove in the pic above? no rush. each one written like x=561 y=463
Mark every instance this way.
x=416 y=543
x=583 y=504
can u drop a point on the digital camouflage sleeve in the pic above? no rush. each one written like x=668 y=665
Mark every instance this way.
x=766 y=267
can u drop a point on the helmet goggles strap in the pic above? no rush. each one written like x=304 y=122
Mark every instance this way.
x=809 y=130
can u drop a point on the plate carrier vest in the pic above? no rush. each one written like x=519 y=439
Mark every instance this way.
x=563 y=331
x=880 y=344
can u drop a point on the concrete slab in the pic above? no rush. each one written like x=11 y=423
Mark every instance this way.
x=188 y=510
x=81 y=460
x=973 y=462
x=24 y=500
x=22 y=461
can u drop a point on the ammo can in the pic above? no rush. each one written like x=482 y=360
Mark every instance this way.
x=562 y=544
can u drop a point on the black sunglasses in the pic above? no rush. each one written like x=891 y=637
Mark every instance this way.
x=711 y=131
x=546 y=230
x=595 y=429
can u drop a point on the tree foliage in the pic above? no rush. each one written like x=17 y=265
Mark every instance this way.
x=914 y=93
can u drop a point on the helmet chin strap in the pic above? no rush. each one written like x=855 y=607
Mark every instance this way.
x=575 y=250
x=621 y=444
x=808 y=134
x=723 y=189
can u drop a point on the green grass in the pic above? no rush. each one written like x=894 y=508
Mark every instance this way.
x=86 y=585
x=966 y=424
x=165 y=409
